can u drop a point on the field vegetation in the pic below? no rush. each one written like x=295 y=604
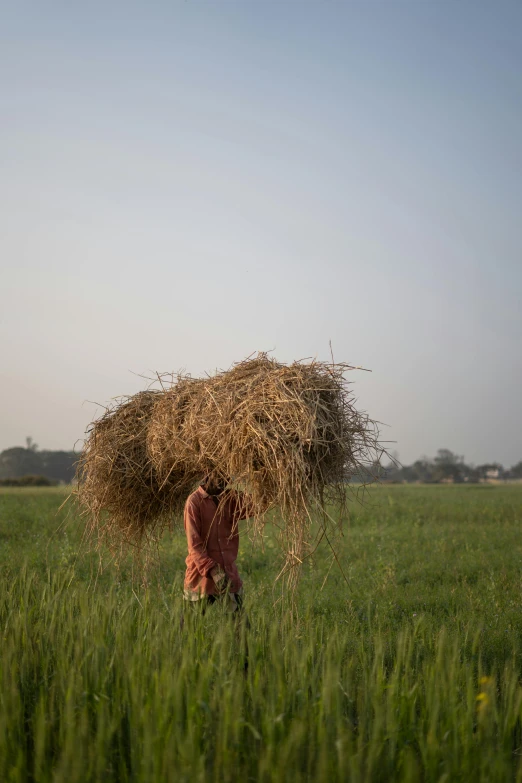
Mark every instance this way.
x=408 y=667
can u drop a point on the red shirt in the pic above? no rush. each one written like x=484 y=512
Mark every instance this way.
x=212 y=538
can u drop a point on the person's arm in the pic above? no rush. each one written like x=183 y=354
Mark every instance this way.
x=218 y=576
x=196 y=545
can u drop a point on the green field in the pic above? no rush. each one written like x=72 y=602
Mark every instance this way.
x=409 y=670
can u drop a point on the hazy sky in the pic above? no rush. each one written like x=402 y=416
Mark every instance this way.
x=185 y=183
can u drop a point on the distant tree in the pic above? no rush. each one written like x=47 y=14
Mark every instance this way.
x=55 y=465
x=392 y=472
x=59 y=465
x=17 y=462
x=448 y=466
x=471 y=473
x=409 y=474
x=423 y=470
x=30 y=444
x=397 y=473
x=516 y=470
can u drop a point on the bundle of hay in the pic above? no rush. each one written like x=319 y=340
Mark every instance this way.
x=123 y=500
x=287 y=434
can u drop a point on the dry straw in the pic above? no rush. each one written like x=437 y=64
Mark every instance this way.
x=118 y=488
x=289 y=435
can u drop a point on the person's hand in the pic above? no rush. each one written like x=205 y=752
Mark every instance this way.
x=218 y=575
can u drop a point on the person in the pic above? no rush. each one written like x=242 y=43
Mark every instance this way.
x=211 y=518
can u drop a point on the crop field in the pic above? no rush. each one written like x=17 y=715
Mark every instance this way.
x=407 y=668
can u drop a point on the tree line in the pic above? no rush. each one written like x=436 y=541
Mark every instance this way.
x=29 y=462
x=24 y=465
x=448 y=467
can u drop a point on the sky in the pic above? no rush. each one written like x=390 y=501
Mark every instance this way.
x=185 y=183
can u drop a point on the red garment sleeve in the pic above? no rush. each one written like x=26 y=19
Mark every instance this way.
x=196 y=545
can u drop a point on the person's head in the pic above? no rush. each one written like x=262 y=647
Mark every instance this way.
x=214 y=484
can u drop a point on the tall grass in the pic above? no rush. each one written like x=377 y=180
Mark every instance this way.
x=98 y=682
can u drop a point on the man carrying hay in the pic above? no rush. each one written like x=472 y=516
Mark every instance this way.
x=211 y=519
x=290 y=433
